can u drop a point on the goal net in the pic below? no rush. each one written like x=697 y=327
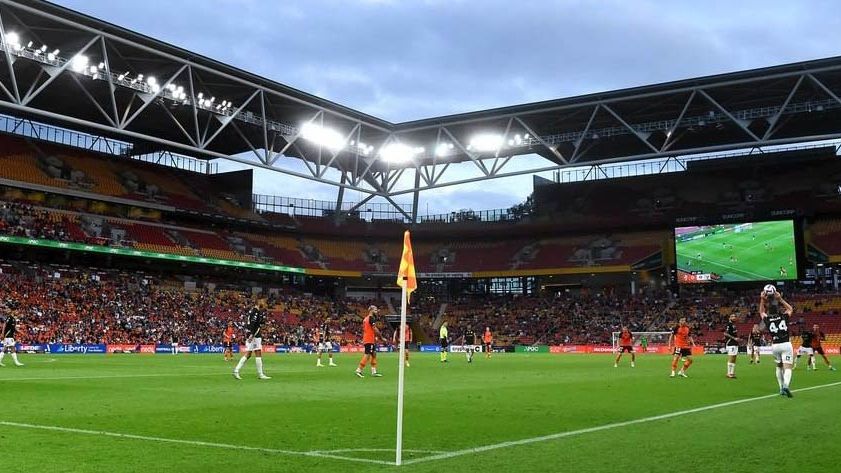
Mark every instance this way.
x=640 y=338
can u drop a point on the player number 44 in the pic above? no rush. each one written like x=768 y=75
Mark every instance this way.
x=774 y=328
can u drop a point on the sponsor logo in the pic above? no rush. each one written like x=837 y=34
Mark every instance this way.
x=429 y=348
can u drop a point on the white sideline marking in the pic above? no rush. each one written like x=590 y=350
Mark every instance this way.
x=199 y=443
x=544 y=438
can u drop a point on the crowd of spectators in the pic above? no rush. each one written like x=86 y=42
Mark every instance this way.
x=19 y=219
x=83 y=307
x=76 y=306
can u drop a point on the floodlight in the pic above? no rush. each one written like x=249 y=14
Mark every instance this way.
x=399 y=152
x=101 y=65
x=326 y=137
x=151 y=81
x=486 y=142
x=13 y=40
x=121 y=77
x=200 y=96
x=43 y=48
x=93 y=70
x=79 y=62
x=155 y=88
x=29 y=44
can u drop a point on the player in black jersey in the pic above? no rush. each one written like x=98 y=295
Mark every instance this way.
x=468 y=341
x=754 y=342
x=806 y=338
x=731 y=342
x=775 y=312
x=254 y=320
x=7 y=333
x=321 y=340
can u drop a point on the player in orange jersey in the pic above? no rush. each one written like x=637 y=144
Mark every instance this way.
x=682 y=342
x=395 y=341
x=370 y=335
x=228 y=339
x=818 y=337
x=488 y=341
x=626 y=345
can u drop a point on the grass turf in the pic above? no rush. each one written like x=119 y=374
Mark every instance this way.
x=753 y=261
x=448 y=408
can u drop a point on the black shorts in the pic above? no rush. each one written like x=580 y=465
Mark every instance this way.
x=228 y=345
x=819 y=350
x=626 y=349
x=371 y=349
x=444 y=343
x=682 y=352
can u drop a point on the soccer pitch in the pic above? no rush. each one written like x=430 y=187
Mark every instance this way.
x=514 y=412
x=742 y=256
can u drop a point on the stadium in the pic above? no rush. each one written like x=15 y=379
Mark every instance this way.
x=138 y=277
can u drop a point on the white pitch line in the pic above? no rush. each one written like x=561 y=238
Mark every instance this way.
x=198 y=443
x=572 y=433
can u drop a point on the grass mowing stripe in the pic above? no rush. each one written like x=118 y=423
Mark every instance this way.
x=544 y=438
x=198 y=443
x=119 y=376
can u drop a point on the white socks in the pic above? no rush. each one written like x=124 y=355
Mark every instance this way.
x=2 y=354
x=731 y=368
x=786 y=377
x=259 y=361
x=240 y=364
x=15 y=358
x=780 y=379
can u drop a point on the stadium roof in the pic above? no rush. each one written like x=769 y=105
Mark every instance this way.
x=69 y=69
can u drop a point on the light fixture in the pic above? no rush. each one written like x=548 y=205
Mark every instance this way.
x=327 y=137
x=151 y=81
x=443 y=149
x=13 y=40
x=486 y=142
x=121 y=77
x=399 y=152
x=79 y=62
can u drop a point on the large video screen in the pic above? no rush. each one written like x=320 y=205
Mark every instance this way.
x=736 y=252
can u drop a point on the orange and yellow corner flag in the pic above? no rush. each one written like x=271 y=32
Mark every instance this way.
x=406 y=276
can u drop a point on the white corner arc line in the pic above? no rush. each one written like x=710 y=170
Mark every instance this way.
x=198 y=443
x=572 y=433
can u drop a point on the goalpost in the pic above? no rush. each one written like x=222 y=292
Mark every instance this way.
x=651 y=339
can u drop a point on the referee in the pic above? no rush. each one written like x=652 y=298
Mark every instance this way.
x=442 y=337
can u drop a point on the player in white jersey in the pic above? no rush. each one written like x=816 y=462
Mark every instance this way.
x=7 y=333
x=775 y=312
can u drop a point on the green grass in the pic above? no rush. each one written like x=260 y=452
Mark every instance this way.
x=752 y=260
x=448 y=408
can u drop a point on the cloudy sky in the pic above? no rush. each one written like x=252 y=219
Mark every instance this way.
x=404 y=60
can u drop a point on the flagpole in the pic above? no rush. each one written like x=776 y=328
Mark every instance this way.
x=400 y=373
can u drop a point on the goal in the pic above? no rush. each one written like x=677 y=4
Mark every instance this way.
x=652 y=338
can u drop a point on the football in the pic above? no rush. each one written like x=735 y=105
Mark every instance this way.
x=769 y=290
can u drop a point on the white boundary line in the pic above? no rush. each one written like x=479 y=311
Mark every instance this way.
x=438 y=456
x=572 y=433
x=199 y=443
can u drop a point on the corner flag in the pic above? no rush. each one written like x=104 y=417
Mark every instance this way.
x=406 y=277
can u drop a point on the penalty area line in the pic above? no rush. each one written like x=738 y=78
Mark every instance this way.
x=197 y=443
x=572 y=433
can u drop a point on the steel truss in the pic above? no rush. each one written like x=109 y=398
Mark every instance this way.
x=261 y=124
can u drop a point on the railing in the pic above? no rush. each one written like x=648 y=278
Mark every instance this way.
x=62 y=136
